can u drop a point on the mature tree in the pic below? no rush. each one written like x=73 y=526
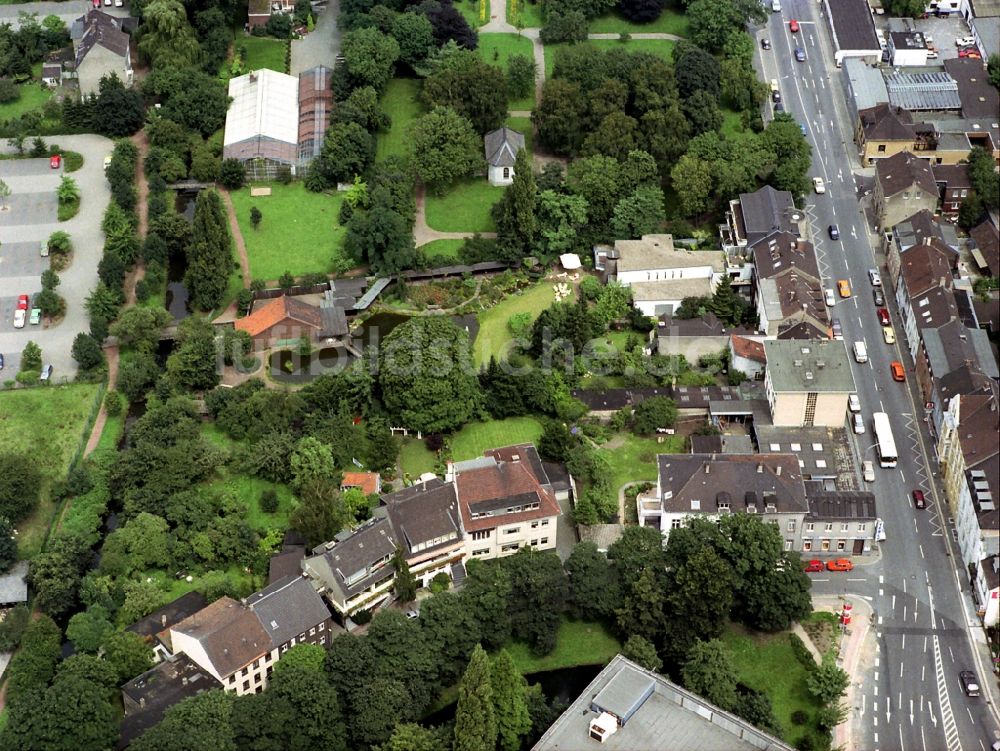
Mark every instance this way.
x=984 y=178
x=514 y=213
x=641 y=213
x=695 y=70
x=20 y=487
x=202 y=721
x=382 y=238
x=641 y=611
x=426 y=375
x=320 y=513
x=117 y=110
x=451 y=630
x=537 y=597
x=709 y=672
x=702 y=112
x=465 y=83
x=348 y=150
x=89 y=629
x=601 y=182
x=449 y=24
x=302 y=657
x=8 y=545
x=636 y=550
x=792 y=154
x=209 y=255
x=141 y=599
x=196 y=100
x=369 y=56
x=232 y=174
x=641 y=11
x=559 y=116
x=128 y=654
x=405 y=583
x=409 y=736
x=594 y=589
x=73 y=707
x=712 y=21
x=475 y=715
x=699 y=593
x=615 y=136
x=664 y=134
x=312 y=462
x=559 y=217
x=193 y=365
x=654 y=413
x=755 y=707
x=486 y=592
x=444 y=148
x=142 y=542
x=564 y=26
x=906 y=8
x=510 y=700
x=33 y=665
x=377 y=708
x=826 y=681
x=692 y=179
x=415 y=35
x=642 y=652
x=993 y=66
x=520 y=76
x=168 y=40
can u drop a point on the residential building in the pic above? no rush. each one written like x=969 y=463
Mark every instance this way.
x=746 y=354
x=882 y=131
x=428 y=527
x=853 y=29
x=712 y=485
x=985 y=248
x=841 y=521
x=506 y=501
x=953 y=186
x=755 y=216
x=788 y=290
x=694 y=337
x=923 y=289
x=369 y=483
x=661 y=276
x=101 y=48
x=154 y=628
x=987 y=590
x=501 y=147
x=915 y=230
x=260 y=11
x=824 y=454
x=627 y=707
x=238 y=642
x=904 y=184
x=807 y=382
x=283 y=321
x=148 y=696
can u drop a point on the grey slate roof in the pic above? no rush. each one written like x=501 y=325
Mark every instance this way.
x=418 y=518
x=98 y=27
x=14 y=585
x=287 y=608
x=912 y=231
x=501 y=146
x=767 y=210
x=334 y=321
x=169 y=615
x=903 y=170
x=923 y=91
x=371 y=544
x=842 y=504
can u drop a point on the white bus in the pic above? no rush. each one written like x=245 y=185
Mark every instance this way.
x=887 y=455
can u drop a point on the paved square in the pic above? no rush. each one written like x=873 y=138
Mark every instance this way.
x=26 y=209
x=22 y=259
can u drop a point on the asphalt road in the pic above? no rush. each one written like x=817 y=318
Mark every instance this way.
x=925 y=625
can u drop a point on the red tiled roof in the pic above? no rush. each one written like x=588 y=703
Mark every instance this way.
x=751 y=349
x=368 y=482
x=503 y=480
x=277 y=310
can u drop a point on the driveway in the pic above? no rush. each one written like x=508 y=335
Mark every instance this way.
x=28 y=222
x=322 y=46
x=67 y=11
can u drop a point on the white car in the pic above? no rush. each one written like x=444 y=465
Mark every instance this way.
x=876 y=280
x=19 y=316
x=119 y=3
x=859 y=424
x=868 y=471
x=853 y=403
x=965 y=41
x=818 y=185
x=889 y=335
x=830 y=299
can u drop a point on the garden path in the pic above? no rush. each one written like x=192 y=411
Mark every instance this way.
x=640 y=35
x=241 y=246
x=423 y=234
x=111 y=353
x=142 y=197
x=498 y=19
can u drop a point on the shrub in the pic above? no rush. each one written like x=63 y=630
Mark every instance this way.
x=519 y=324
x=113 y=404
x=232 y=174
x=362 y=617
x=800 y=717
x=440 y=582
x=269 y=501
x=9 y=91
x=802 y=653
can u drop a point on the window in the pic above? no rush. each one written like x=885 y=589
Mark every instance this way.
x=312 y=631
x=807 y=545
x=881 y=148
x=545 y=541
x=256 y=677
x=841 y=545
x=862 y=527
x=723 y=508
x=791 y=526
x=829 y=526
x=810 y=527
x=245 y=671
x=844 y=527
x=483 y=535
x=788 y=544
x=322 y=626
x=676 y=523
x=302 y=636
x=509 y=548
x=545 y=522
x=964 y=193
x=246 y=685
x=534 y=543
x=481 y=551
x=270 y=670
x=322 y=639
x=512 y=530
x=232 y=679
x=284 y=648
x=534 y=525
x=506 y=173
x=906 y=195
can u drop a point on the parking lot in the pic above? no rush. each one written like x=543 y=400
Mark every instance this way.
x=943 y=32
x=30 y=217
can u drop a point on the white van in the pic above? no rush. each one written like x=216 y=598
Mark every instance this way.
x=775 y=6
x=860 y=352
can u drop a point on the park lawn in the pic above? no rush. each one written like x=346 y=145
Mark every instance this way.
x=415 y=458
x=33 y=96
x=524 y=14
x=493 y=333
x=669 y=22
x=248 y=491
x=766 y=662
x=49 y=425
x=401 y=102
x=442 y=248
x=633 y=458
x=496 y=49
x=264 y=52
x=464 y=208
x=472 y=440
x=523 y=125
x=111 y=434
x=732 y=122
x=471 y=12
x=298 y=233
x=173 y=587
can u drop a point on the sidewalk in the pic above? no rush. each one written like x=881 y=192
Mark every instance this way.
x=857 y=649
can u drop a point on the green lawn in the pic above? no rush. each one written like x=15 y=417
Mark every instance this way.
x=523 y=125
x=732 y=122
x=248 y=490
x=493 y=333
x=173 y=587
x=765 y=662
x=634 y=460
x=401 y=101
x=264 y=52
x=445 y=248
x=33 y=96
x=415 y=458
x=298 y=233
x=496 y=49
x=669 y=22
x=48 y=425
x=472 y=440
x=465 y=208
x=112 y=433
x=525 y=15
x=471 y=12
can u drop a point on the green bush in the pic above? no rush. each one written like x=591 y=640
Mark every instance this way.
x=113 y=403
x=802 y=653
x=269 y=501
x=440 y=583
x=362 y=617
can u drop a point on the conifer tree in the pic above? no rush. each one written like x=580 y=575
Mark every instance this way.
x=405 y=584
x=510 y=692
x=475 y=717
x=514 y=213
x=209 y=256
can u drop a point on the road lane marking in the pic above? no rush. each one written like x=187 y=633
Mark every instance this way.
x=947 y=717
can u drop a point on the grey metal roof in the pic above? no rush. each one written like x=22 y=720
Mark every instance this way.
x=923 y=91
x=853 y=26
x=288 y=608
x=816 y=366
x=842 y=504
x=866 y=84
x=624 y=694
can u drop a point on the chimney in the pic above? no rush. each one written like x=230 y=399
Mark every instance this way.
x=708 y=468
x=778 y=471
x=163 y=620
x=142 y=702
x=760 y=469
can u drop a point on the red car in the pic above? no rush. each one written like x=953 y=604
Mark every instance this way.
x=918 y=499
x=841 y=564
x=813 y=566
x=970 y=53
x=883 y=317
x=22 y=302
x=55 y=161
x=898 y=371
x=793 y=26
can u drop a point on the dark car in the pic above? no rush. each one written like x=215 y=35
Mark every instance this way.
x=800 y=54
x=918 y=499
x=883 y=317
x=970 y=684
x=775 y=96
x=778 y=107
x=878 y=296
x=1 y=362
x=834 y=231
x=765 y=44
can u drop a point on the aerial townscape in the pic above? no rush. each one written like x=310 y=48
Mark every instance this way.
x=500 y=375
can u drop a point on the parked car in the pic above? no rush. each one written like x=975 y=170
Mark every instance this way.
x=22 y=302
x=970 y=684
x=889 y=335
x=36 y=316
x=800 y=54
x=46 y=373
x=765 y=43
x=813 y=566
x=970 y=52
x=844 y=288
x=775 y=96
x=834 y=231
x=883 y=317
x=779 y=107
x=836 y=329
x=828 y=295
x=965 y=41
x=1 y=362
x=858 y=424
x=918 y=499
x=877 y=296
x=19 y=315
x=853 y=403
x=898 y=371
x=776 y=6
x=793 y=26
x=43 y=249
x=841 y=564
x=819 y=186
x=868 y=471
x=802 y=127
x=55 y=161
x=876 y=280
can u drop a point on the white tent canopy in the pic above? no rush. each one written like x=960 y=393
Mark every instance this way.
x=570 y=261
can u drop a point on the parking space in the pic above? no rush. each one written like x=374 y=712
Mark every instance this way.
x=8 y=304
x=25 y=168
x=942 y=32
x=22 y=259
x=25 y=209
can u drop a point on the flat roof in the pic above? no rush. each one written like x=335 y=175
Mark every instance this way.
x=815 y=366
x=853 y=26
